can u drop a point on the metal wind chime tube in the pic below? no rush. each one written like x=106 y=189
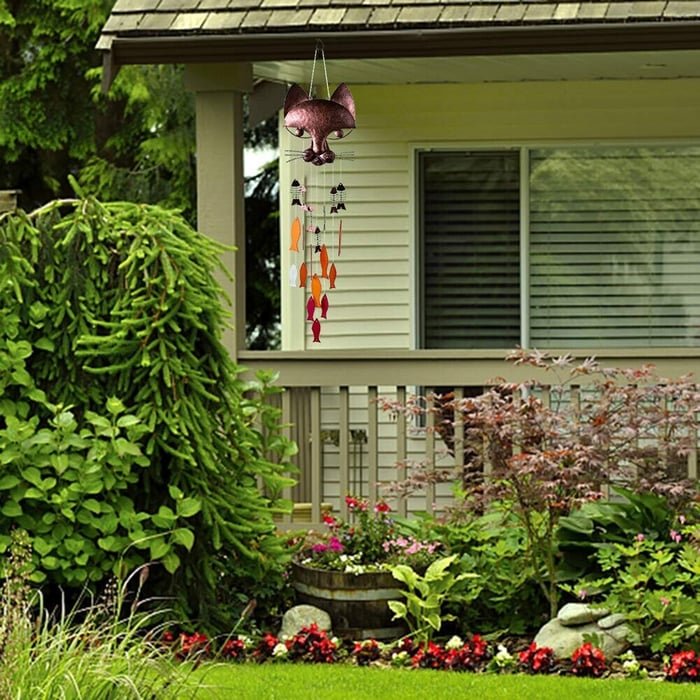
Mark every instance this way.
x=319 y=120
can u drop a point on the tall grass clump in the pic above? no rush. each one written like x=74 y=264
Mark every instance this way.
x=105 y=650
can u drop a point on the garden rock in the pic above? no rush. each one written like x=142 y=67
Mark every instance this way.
x=611 y=621
x=564 y=639
x=573 y=614
x=302 y=616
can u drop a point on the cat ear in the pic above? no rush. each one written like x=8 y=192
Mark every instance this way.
x=343 y=96
x=295 y=95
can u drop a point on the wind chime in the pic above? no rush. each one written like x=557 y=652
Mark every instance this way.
x=309 y=117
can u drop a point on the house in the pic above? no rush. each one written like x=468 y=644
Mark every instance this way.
x=522 y=172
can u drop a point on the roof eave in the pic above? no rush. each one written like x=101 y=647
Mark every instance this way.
x=396 y=43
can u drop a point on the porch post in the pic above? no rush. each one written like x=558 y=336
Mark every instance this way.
x=219 y=92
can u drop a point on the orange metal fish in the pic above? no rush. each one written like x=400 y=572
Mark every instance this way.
x=324 y=261
x=316 y=290
x=324 y=306
x=316 y=330
x=332 y=275
x=302 y=275
x=296 y=234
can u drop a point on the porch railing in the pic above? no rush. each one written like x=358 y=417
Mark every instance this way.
x=330 y=409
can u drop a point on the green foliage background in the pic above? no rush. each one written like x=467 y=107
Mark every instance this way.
x=120 y=300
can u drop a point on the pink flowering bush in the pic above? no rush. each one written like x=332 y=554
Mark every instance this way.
x=370 y=541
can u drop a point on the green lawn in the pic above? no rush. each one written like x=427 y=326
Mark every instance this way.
x=292 y=682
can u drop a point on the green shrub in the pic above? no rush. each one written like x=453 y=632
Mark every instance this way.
x=120 y=300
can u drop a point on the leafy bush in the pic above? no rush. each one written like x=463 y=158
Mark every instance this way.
x=121 y=300
x=425 y=596
x=596 y=524
x=505 y=595
x=655 y=585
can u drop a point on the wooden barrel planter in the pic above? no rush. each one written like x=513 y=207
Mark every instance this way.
x=356 y=603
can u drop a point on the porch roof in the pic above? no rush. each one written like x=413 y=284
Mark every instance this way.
x=161 y=31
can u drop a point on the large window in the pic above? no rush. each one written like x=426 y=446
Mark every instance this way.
x=609 y=239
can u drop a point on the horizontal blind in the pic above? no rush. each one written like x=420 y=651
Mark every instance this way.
x=615 y=247
x=470 y=249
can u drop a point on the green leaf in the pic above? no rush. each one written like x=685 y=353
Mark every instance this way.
x=159 y=548
x=184 y=537
x=8 y=481
x=188 y=507
x=398 y=608
x=32 y=475
x=11 y=509
x=171 y=562
x=92 y=505
x=405 y=574
x=437 y=569
x=115 y=406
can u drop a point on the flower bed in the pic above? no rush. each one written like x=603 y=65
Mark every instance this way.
x=473 y=655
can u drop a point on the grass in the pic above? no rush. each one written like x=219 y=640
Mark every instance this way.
x=292 y=682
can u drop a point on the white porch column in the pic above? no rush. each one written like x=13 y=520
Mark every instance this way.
x=219 y=92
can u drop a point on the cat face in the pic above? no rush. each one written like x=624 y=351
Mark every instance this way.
x=318 y=119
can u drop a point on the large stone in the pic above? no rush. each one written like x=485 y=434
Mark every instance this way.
x=579 y=613
x=302 y=616
x=564 y=639
x=611 y=621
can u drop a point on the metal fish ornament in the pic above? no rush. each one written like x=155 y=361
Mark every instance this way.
x=341 y=196
x=324 y=261
x=316 y=290
x=296 y=234
x=324 y=306
x=296 y=193
x=316 y=330
x=332 y=275
x=310 y=308
x=302 y=275
x=317 y=233
x=292 y=275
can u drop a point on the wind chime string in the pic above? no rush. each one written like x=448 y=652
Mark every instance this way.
x=317 y=50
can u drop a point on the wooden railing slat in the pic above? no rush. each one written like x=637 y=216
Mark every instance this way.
x=316 y=455
x=372 y=444
x=344 y=447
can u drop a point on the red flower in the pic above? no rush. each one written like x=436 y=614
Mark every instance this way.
x=382 y=507
x=195 y=644
x=588 y=661
x=233 y=649
x=684 y=666
x=537 y=659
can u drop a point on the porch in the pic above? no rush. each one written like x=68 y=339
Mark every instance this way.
x=347 y=444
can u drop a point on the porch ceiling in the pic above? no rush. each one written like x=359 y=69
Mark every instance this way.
x=511 y=68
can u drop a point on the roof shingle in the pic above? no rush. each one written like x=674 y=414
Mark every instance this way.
x=171 y=18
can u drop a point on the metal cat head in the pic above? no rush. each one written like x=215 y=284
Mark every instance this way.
x=318 y=120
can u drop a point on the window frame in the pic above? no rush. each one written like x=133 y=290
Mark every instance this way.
x=416 y=285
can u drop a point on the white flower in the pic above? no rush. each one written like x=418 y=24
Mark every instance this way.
x=280 y=650
x=454 y=642
x=503 y=653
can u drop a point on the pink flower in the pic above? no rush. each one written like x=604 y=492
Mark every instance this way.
x=335 y=545
x=639 y=537
x=665 y=602
x=582 y=594
x=675 y=536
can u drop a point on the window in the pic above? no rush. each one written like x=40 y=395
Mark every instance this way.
x=610 y=241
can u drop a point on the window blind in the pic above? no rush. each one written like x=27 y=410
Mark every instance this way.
x=470 y=250
x=615 y=247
